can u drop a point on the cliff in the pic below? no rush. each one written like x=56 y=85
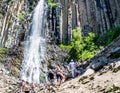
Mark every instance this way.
x=91 y=16
x=15 y=17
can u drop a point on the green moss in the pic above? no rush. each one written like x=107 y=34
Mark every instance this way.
x=3 y=50
x=22 y=16
x=62 y=46
x=52 y=4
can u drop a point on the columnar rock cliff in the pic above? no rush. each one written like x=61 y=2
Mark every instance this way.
x=93 y=15
x=14 y=20
x=90 y=15
x=10 y=23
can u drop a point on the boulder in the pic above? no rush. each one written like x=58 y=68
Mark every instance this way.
x=97 y=66
x=89 y=72
x=117 y=65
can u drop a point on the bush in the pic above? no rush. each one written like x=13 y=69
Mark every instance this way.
x=107 y=37
x=82 y=47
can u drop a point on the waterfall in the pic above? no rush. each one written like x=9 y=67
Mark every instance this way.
x=33 y=65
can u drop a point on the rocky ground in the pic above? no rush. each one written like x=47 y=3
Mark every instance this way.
x=8 y=83
x=105 y=80
x=100 y=82
x=101 y=75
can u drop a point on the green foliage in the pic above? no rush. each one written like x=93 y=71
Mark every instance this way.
x=22 y=16
x=83 y=47
x=108 y=37
x=115 y=70
x=62 y=46
x=3 y=50
x=112 y=89
x=52 y=4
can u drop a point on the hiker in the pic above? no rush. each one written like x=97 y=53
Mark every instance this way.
x=60 y=75
x=72 y=69
x=22 y=85
x=51 y=77
x=32 y=86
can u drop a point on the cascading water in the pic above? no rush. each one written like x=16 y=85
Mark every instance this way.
x=33 y=65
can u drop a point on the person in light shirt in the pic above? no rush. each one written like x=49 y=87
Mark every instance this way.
x=72 y=68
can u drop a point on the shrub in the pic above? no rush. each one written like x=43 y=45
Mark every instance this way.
x=82 y=47
x=107 y=37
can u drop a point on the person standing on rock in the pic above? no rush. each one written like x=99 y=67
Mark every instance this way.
x=72 y=68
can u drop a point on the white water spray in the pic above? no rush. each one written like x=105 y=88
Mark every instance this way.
x=33 y=64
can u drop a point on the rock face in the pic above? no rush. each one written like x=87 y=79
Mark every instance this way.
x=10 y=23
x=94 y=15
x=107 y=56
x=15 y=18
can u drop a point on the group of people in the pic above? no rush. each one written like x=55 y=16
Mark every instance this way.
x=57 y=75
x=25 y=86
